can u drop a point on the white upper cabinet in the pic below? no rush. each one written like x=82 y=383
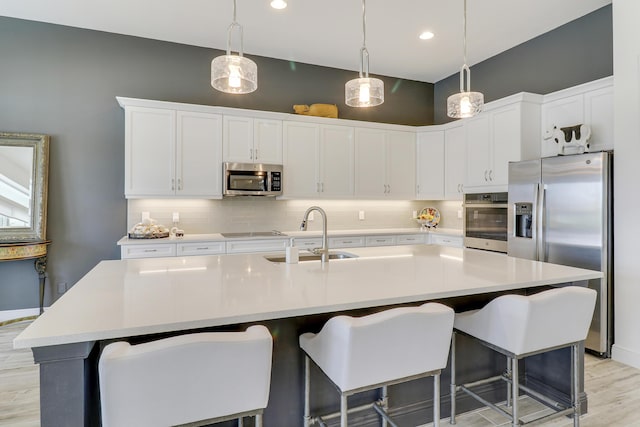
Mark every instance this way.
x=590 y=104
x=430 y=165
x=385 y=164
x=198 y=155
x=503 y=133
x=252 y=140
x=318 y=161
x=454 y=161
x=172 y=153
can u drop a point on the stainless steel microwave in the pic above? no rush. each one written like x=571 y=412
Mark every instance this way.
x=251 y=179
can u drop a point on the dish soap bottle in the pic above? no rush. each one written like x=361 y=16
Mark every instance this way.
x=291 y=254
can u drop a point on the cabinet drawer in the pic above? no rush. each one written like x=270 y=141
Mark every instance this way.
x=202 y=248
x=380 y=240
x=309 y=242
x=455 y=241
x=248 y=246
x=147 y=251
x=346 y=242
x=412 y=239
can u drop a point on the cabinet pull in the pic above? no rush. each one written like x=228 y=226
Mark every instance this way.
x=251 y=153
x=179 y=183
x=347 y=241
x=490 y=174
x=255 y=153
x=322 y=187
x=151 y=250
x=380 y=240
x=317 y=187
x=201 y=249
x=485 y=176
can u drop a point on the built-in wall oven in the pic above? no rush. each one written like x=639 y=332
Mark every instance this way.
x=485 y=221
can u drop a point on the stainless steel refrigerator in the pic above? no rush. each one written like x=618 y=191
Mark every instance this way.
x=560 y=211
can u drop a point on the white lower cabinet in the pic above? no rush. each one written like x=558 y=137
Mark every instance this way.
x=346 y=242
x=446 y=240
x=200 y=248
x=147 y=251
x=381 y=241
x=412 y=239
x=248 y=246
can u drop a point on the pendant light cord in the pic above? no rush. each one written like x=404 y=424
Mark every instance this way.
x=364 y=53
x=234 y=24
x=464 y=70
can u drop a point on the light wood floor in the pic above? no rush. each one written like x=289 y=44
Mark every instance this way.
x=613 y=390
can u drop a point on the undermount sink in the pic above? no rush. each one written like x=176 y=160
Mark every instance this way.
x=313 y=257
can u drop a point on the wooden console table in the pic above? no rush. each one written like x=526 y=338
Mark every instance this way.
x=37 y=250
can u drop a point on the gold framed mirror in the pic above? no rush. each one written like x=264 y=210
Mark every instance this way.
x=24 y=175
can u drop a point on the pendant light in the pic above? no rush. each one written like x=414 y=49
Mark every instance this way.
x=465 y=103
x=364 y=91
x=234 y=73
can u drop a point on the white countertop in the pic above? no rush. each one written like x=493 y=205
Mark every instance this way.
x=122 y=298
x=214 y=237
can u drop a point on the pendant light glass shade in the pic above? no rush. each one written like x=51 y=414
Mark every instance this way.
x=234 y=73
x=466 y=103
x=364 y=91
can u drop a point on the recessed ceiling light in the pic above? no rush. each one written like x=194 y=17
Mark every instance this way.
x=278 y=4
x=426 y=35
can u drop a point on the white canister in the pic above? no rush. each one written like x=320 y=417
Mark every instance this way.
x=291 y=254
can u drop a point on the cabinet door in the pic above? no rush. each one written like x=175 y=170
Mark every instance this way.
x=199 y=155
x=401 y=165
x=267 y=141
x=560 y=113
x=454 y=162
x=478 y=151
x=300 y=160
x=507 y=141
x=150 y=137
x=370 y=163
x=237 y=137
x=336 y=161
x=430 y=166
x=598 y=114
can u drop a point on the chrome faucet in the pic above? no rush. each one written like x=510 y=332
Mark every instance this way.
x=324 y=251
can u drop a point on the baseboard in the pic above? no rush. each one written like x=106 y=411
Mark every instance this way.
x=626 y=356
x=6 y=315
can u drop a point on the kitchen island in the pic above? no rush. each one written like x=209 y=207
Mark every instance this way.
x=144 y=299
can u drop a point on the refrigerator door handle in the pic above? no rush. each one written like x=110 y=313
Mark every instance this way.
x=540 y=226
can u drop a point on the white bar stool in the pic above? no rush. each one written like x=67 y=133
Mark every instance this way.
x=192 y=379
x=519 y=326
x=378 y=350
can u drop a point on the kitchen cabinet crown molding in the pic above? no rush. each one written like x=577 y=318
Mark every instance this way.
x=581 y=89
x=150 y=103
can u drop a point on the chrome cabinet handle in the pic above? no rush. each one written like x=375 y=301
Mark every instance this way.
x=322 y=187
x=255 y=153
x=179 y=183
x=490 y=174
x=151 y=250
x=251 y=153
x=173 y=184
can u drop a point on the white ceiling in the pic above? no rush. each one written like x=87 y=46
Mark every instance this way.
x=326 y=32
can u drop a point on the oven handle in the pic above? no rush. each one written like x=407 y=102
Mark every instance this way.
x=485 y=205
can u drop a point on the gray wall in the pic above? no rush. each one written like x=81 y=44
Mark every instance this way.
x=63 y=81
x=577 y=52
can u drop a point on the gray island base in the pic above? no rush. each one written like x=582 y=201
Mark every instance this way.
x=143 y=300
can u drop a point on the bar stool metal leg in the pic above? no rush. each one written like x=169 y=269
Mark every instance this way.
x=307 y=390
x=514 y=392
x=343 y=411
x=452 y=419
x=385 y=403
x=259 y=420
x=575 y=350
x=508 y=386
x=240 y=422
x=436 y=400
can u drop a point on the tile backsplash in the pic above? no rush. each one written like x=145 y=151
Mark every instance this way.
x=198 y=216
